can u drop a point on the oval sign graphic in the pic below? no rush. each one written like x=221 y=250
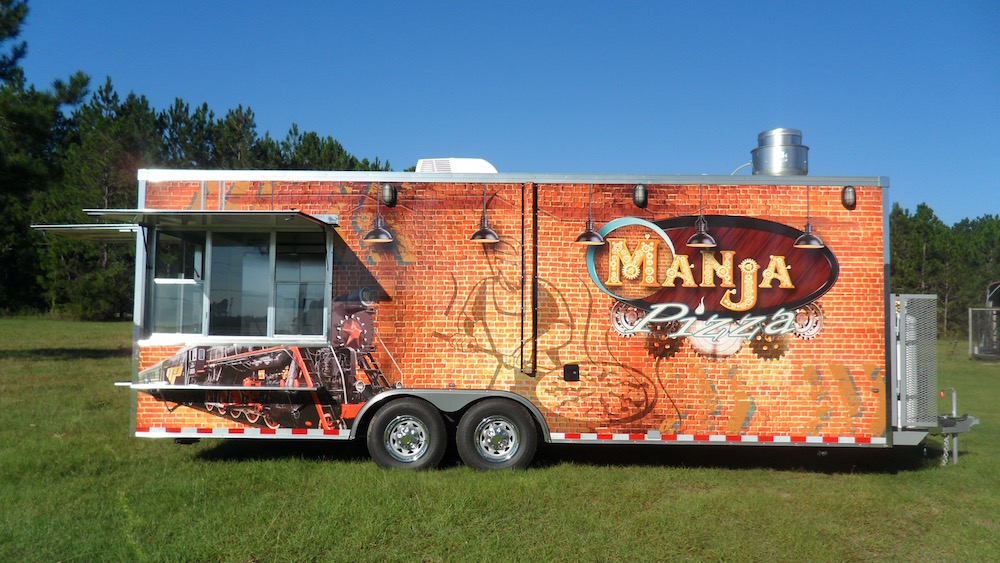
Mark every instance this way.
x=754 y=267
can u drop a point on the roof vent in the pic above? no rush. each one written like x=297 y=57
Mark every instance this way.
x=455 y=166
x=780 y=152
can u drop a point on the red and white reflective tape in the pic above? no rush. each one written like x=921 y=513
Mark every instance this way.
x=249 y=432
x=569 y=437
x=557 y=437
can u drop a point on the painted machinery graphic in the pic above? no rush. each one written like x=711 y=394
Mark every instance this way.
x=280 y=386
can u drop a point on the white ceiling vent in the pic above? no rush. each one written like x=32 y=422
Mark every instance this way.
x=455 y=166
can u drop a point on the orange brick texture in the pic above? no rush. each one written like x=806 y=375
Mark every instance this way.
x=455 y=314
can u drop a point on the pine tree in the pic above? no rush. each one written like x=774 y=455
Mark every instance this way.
x=32 y=125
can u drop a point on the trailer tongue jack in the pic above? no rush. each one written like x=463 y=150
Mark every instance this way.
x=952 y=425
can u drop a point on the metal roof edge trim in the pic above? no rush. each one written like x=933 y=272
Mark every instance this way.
x=167 y=175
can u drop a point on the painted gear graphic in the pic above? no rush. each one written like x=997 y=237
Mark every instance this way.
x=624 y=317
x=659 y=343
x=769 y=347
x=808 y=321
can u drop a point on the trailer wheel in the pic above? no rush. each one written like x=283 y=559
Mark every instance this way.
x=497 y=434
x=407 y=434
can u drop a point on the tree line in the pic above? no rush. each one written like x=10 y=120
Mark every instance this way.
x=957 y=263
x=65 y=149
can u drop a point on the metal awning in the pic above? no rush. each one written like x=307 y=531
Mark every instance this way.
x=93 y=232
x=285 y=220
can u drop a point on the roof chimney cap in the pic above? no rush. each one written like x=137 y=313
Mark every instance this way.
x=780 y=152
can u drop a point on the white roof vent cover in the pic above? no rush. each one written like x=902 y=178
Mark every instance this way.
x=455 y=166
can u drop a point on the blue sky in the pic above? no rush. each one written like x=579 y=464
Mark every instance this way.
x=908 y=90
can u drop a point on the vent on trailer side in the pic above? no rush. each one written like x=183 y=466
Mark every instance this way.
x=916 y=366
x=915 y=413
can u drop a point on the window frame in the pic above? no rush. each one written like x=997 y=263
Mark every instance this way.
x=153 y=233
x=196 y=279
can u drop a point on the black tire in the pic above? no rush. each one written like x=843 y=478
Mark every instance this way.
x=407 y=434
x=497 y=434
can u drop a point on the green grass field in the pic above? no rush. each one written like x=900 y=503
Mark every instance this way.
x=74 y=486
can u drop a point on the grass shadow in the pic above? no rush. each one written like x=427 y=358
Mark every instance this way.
x=234 y=449
x=731 y=457
x=260 y=450
x=818 y=460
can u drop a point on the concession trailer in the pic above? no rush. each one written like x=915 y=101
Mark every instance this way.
x=503 y=310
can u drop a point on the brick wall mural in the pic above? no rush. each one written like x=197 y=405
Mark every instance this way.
x=753 y=336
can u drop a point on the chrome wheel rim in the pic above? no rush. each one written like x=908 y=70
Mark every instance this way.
x=497 y=438
x=406 y=438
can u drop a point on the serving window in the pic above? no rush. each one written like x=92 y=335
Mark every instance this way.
x=240 y=284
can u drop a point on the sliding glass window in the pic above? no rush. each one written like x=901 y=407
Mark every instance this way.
x=259 y=284
x=240 y=284
x=300 y=276
x=178 y=282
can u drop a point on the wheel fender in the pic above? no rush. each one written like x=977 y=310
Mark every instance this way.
x=446 y=401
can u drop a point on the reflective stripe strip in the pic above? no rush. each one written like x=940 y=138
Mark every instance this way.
x=247 y=432
x=344 y=434
x=714 y=438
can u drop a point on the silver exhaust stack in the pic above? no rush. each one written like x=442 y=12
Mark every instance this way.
x=780 y=152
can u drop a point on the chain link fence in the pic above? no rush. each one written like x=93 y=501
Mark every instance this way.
x=984 y=333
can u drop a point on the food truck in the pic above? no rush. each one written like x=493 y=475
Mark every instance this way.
x=505 y=310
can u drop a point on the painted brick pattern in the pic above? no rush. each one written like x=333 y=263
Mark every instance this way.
x=455 y=314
